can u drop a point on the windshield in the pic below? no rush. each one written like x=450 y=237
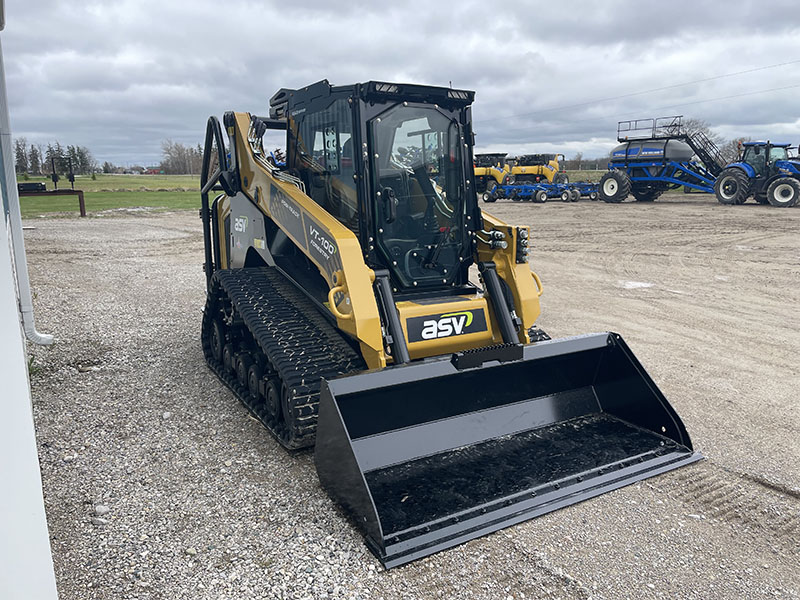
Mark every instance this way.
x=778 y=153
x=418 y=185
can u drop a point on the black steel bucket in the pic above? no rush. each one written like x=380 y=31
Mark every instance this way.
x=426 y=456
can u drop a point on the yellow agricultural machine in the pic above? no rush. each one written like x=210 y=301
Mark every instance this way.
x=490 y=171
x=536 y=168
x=359 y=299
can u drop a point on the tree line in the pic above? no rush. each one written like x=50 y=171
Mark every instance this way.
x=36 y=159
x=176 y=159
x=181 y=159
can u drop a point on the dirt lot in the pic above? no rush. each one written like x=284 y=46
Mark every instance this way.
x=158 y=484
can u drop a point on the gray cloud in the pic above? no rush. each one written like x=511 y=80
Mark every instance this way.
x=121 y=77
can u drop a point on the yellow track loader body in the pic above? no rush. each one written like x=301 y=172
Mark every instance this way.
x=343 y=309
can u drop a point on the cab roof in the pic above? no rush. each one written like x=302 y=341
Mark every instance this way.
x=776 y=144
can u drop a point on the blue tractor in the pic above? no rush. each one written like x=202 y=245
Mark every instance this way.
x=765 y=172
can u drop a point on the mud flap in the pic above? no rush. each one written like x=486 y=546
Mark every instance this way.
x=426 y=456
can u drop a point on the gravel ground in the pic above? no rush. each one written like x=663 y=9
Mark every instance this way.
x=158 y=484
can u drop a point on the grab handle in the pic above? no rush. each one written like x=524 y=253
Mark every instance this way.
x=332 y=304
x=538 y=283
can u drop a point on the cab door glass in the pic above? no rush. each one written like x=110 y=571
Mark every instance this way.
x=418 y=193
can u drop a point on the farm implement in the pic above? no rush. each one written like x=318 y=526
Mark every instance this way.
x=542 y=192
x=655 y=155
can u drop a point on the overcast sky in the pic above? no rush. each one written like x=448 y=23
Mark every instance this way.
x=119 y=77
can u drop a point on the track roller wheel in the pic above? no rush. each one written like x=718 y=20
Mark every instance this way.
x=615 y=186
x=228 y=357
x=254 y=375
x=732 y=187
x=784 y=192
x=243 y=363
x=217 y=339
x=287 y=408
x=272 y=394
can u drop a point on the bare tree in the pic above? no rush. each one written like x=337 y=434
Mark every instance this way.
x=693 y=125
x=731 y=149
x=180 y=159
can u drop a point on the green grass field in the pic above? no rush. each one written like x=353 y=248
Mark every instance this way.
x=100 y=201
x=107 y=192
x=113 y=183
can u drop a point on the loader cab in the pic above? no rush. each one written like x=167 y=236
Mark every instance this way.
x=393 y=163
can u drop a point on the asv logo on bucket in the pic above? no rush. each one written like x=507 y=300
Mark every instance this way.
x=446 y=325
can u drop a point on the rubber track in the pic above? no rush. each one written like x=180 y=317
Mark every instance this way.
x=300 y=344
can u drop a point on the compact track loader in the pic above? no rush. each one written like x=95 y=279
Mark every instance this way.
x=343 y=308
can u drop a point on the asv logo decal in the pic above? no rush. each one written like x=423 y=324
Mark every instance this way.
x=431 y=327
x=240 y=224
x=446 y=325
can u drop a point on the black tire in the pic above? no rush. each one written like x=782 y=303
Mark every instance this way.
x=574 y=195
x=566 y=196
x=561 y=178
x=489 y=197
x=540 y=196
x=646 y=195
x=614 y=186
x=784 y=192
x=594 y=196
x=732 y=186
